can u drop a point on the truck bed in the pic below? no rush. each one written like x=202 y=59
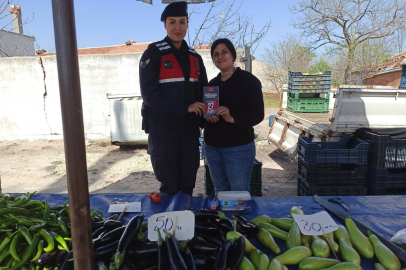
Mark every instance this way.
x=321 y=119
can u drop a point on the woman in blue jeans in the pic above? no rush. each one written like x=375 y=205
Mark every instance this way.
x=229 y=136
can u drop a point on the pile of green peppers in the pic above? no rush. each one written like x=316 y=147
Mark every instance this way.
x=33 y=235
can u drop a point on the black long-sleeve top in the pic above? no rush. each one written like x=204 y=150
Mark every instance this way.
x=242 y=95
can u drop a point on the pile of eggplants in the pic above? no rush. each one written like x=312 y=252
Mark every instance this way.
x=127 y=247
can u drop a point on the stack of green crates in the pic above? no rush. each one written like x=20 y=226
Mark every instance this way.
x=256 y=180
x=309 y=93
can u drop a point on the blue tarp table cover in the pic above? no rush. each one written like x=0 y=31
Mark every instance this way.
x=385 y=215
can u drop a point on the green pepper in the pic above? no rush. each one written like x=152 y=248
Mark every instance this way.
x=28 y=253
x=53 y=217
x=37 y=227
x=9 y=263
x=39 y=250
x=8 y=223
x=60 y=240
x=4 y=255
x=49 y=239
x=63 y=227
x=24 y=268
x=5 y=219
x=31 y=194
x=29 y=204
x=63 y=213
x=19 y=202
x=24 y=232
x=14 y=210
x=22 y=221
x=5 y=230
x=46 y=211
x=60 y=247
x=13 y=246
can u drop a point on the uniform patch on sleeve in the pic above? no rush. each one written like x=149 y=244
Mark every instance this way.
x=168 y=64
x=143 y=64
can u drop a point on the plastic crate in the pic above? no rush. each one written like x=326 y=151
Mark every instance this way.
x=374 y=190
x=333 y=174
x=255 y=185
x=309 y=87
x=305 y=189
x=403 y=78
x=345 y=151
x=295 y=76
x=387 y=178
x=385 y=152
x=309 y=95
x=310 y=105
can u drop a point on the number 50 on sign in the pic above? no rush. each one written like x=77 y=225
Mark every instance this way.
x=180 y=222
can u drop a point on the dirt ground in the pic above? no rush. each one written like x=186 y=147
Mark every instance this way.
x=40 y=166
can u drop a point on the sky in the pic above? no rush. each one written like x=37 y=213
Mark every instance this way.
x=107 y=22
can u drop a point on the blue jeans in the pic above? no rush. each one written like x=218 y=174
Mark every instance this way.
x=231 y=167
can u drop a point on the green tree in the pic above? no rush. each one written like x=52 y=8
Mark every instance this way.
x=320 y=66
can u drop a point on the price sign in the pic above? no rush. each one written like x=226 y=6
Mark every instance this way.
x=182 y=223
x=316 y=224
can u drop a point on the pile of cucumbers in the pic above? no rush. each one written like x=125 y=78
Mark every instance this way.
x=33 y=235
x=311 y=253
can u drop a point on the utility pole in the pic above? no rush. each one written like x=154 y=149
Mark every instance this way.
x=247 y=59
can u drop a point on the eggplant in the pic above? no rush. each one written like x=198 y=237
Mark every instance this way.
x=163 y=259
x=204 y=215
x=61 y=257
x=144 y=250
x=97 y=232
x=206 y=227
x=200 y=259
x=190 y=262
x=212 y=257
x=225 y=225
x=175 y=258
x=129 y=234
x=236 y=253
x=95 y=219
x=68 y=263
x=198 y=246
x=144 y=264
x=106 y=251
x=211 y=239
x=110 y=225
x=112 y=236
x=47 y=259
x=248 y=227
x=128 y=265
x=221 y=261
x=96 y=225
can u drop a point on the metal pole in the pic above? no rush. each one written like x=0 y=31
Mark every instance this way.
x=248 y=59
x=73 y=130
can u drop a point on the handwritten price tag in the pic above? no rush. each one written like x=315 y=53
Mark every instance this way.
x=180 y=222
x=315 y=224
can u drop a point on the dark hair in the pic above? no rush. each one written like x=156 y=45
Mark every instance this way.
x=228 y=44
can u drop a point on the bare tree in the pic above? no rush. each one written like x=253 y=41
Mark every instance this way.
x=349 y=23
x=287 y=54
x=399 y=41
x=224 y=20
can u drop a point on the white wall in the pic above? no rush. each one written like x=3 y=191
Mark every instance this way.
x=22 y=113
x=12 y=44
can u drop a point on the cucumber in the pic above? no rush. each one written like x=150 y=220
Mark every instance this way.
x=345 y=266
x=262 y=218
x=294 y=237
x=320 y=248
x=342 y=233
x=384 y=255
x=379 y=266
x=294 y=255
x=263 y=262
x=267 y=240
x=246 y=264
x=235 y=235
x=359 y=240
x=275 y=265
x=315 y=263
x=255 y=256
x=305 y=240
x=274 y=231
x=348 y=253
x=296 y=210
x=283 y=223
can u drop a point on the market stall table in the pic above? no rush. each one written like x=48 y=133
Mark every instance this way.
x=385 y=215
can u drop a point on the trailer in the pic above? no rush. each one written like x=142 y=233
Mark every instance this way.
x=354 y=107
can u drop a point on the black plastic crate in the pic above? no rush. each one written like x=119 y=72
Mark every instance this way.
x=374 y=190
x=255 y=185
x=385 y=152
x=333 y=174
x=345 y=151
x=305 y=189
x=403 y=79
x=387 y=178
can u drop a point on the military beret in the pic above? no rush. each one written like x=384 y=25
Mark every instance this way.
x=176 y=9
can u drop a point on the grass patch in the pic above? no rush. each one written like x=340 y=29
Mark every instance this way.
x=271 y=100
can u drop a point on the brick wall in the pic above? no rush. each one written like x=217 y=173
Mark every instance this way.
x=392 y=79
